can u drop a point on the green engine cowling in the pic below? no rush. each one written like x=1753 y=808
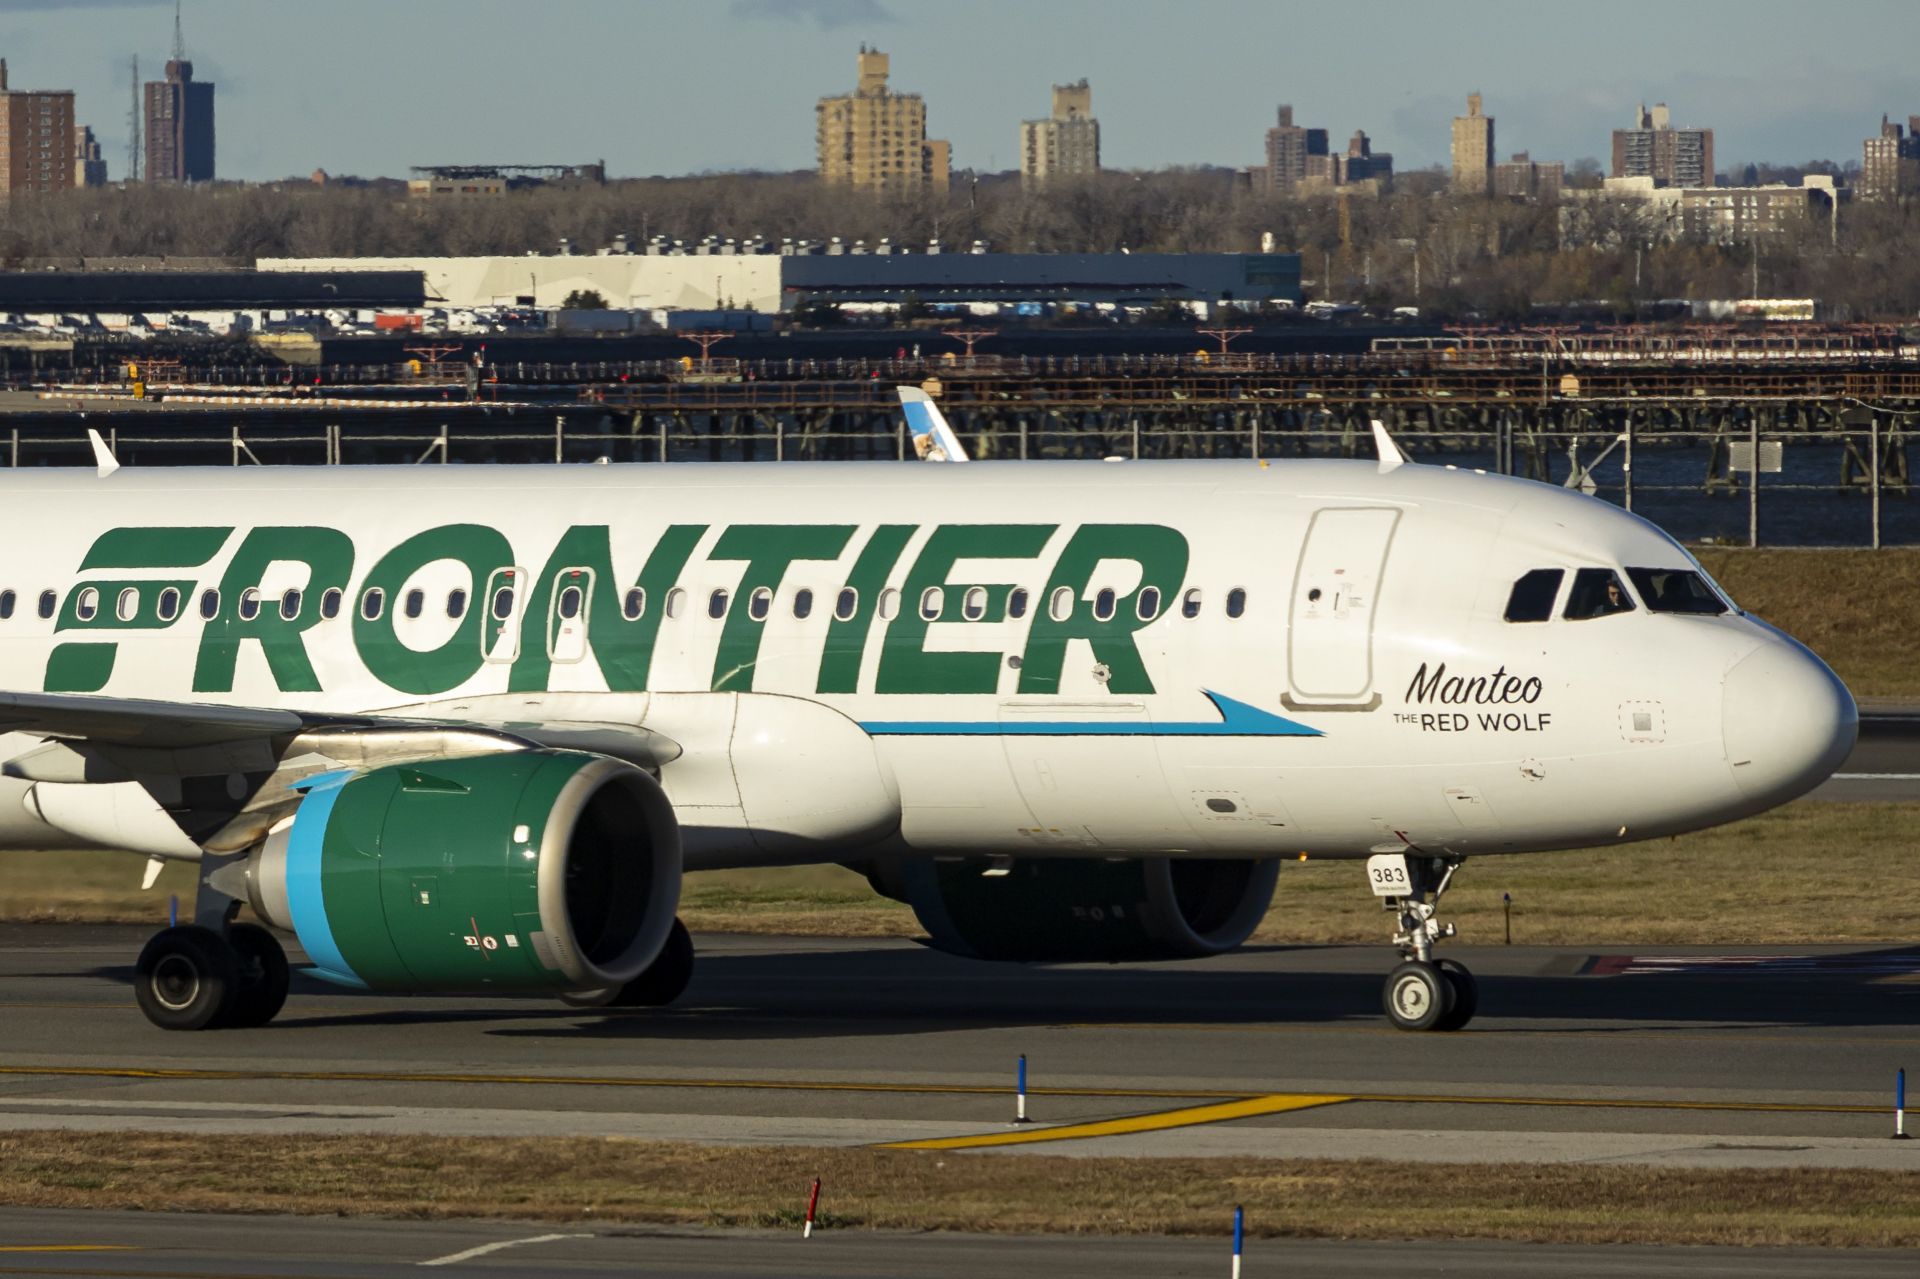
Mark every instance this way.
x=1076 y=909
x=528 y=870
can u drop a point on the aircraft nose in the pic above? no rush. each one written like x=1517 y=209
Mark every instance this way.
x=1787 y=721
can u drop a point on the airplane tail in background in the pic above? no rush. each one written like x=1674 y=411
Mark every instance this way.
x=933 y=439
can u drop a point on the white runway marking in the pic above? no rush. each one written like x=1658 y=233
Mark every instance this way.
x=486 y=1248
x=1875 y=777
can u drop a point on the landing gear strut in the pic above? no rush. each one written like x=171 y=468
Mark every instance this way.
x=1422 y=993
x=213 y=972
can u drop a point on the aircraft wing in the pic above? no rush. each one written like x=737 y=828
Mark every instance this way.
x=185 y=754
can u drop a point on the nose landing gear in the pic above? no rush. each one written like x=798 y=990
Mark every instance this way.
x=1422 y=993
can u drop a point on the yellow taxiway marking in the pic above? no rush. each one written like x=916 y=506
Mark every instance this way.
x=1186 y=1117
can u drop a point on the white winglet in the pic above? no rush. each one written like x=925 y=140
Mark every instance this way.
x=933 y=439
x=103 y=458
x=154 y=866
x=1390 y=454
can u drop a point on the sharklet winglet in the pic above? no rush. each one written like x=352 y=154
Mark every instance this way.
x=1391 y=458
x=105 y=463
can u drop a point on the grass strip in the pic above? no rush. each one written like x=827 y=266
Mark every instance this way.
x=617 y=1180
x=1807 y=873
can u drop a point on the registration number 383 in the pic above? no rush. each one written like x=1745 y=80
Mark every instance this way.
x=1387 y=875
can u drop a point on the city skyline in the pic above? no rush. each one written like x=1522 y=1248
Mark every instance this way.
x=734 y=85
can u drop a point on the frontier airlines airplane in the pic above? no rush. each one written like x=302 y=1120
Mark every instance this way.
x=463 y=729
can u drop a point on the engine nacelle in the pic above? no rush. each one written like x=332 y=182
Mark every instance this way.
x=527 y=870
x=1073 y=909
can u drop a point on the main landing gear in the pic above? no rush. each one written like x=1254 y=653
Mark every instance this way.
x=212 y=972
x=1423 y=993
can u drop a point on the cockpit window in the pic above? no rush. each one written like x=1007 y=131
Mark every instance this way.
x=1596 y=593
x=1675 y=590
x=1533 y=595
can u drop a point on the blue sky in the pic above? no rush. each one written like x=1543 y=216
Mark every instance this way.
x=681 y=86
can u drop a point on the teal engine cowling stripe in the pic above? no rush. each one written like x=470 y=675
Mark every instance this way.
x=305 y=900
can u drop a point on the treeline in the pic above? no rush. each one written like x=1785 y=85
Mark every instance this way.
x=1420 y=245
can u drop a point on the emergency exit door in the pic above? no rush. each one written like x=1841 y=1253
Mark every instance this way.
x=1335 y=598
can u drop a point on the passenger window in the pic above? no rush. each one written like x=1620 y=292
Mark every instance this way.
x=249 y=603
x=1532 y=597
x=676 y=602
x=760 y=603
x=373 y=603
x=570 y=601
x=1675 y=590
x=209 y=605
x=717 y=604
x=87 y=605
x=1060 y=607
x=127 y=606
x=933 y=602
x=1596 y=593
x=1105 y=604
x=1236 y=601
x=1017 y=602
x=803 y=603
x=49 y=601
x=973 y=605
x=634 y=606
x=168 y=606
x=889 y=604
x=1190 y=603
x=1147 y=606
x=7 y=601
x=847 y=604
x=456 y=603
x=290 y=606
x=502 y=603
x=330 y=602
x=416 y=602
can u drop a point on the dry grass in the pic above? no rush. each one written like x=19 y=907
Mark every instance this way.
x=1809 y=872
x=582 y=1179
x=1860 y=610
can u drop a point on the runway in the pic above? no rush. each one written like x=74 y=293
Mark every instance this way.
x=129 y=1245
x=1884 y=767
x=1682 y=1058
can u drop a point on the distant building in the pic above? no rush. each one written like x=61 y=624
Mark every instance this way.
x=179 y=126
x=89 y=166
x=491 y=180
x=1067 y=143
x=1718 y=215
x=1522 y=178
x=1289 y=148
x=1358 y=168
x=1883 y=160
x=1653 y=148
x=36 y=139
x=876 y=140
x=1473 y=150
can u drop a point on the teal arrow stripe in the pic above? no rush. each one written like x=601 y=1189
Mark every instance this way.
x=1237 y=719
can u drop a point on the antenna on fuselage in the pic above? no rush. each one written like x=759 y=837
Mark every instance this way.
x=105 y=463
x=1390 y=454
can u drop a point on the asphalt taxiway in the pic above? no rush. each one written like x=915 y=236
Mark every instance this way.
x=1675 y=1056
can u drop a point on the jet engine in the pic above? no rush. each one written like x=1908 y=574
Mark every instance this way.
x=1063 y=909
x=527 y=870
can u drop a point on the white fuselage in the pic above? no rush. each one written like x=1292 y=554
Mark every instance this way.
x=1302 y=708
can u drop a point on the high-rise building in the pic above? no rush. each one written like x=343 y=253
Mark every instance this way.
x=179 y=129
x=36 y=139
x=1523 y=178
x=1473 y=150
x=876 y=140
x=1653 y=148
x=89 y=165
x=1065 y=144
x=1883 y=159
x=1288 y=149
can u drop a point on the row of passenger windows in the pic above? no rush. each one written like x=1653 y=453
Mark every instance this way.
x=972 y=605
x=1598 y=592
